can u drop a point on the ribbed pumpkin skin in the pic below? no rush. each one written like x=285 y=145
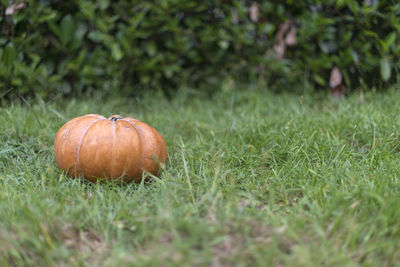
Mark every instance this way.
x=115 y=148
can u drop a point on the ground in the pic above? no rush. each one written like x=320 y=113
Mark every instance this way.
x=252 y=178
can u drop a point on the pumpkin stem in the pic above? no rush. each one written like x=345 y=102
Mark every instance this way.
x=115 y=118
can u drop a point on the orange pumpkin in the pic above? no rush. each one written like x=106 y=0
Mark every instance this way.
x=115 y=148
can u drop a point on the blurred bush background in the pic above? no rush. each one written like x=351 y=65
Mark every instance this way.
x=53 y=47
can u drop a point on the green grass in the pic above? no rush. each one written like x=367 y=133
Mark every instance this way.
x=251 y=178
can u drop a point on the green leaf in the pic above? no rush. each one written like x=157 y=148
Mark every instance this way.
x=223 y=44
x=9 y=55
x=388 y=42
x=355 y=56
x=390 y=39
x=67 y=29
x=328 y=46
x=103 y=4
x=318 y=79
x=151 y=48
x=116 y=52
x=385 y=68
x=136 y=20
x=96 y=36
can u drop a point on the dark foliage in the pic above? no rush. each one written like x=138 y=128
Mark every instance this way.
x=66 y=47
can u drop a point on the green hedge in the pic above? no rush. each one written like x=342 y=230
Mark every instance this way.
x=50 y=47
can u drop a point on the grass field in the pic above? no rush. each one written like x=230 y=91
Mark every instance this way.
x=252 y=179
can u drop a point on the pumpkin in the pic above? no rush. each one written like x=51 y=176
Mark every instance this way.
x=95 y=147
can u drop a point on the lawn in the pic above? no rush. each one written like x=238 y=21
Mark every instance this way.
x=252 y=178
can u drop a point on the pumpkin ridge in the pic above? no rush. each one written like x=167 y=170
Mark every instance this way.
x=78 y=160
x=66 y=131
x=65 y=134
x=139 y=131
x=114 y=135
